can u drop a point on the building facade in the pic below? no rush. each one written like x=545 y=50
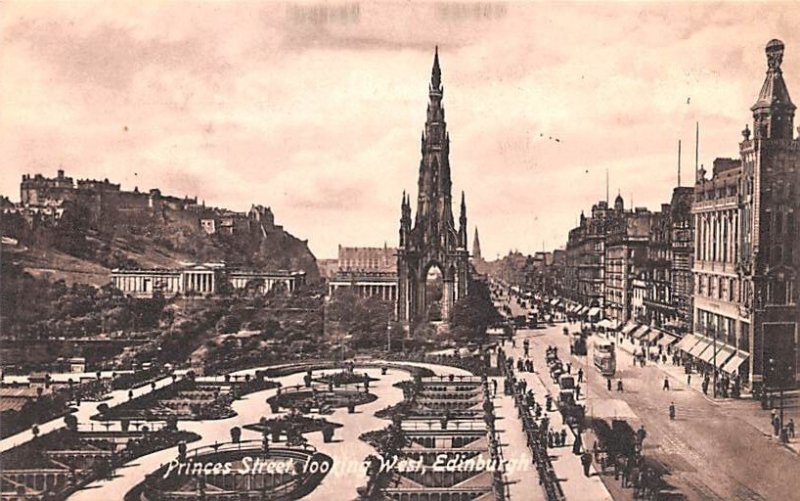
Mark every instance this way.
x=586 y=258
x=746 y=240
x=769 y=238
x=366 y=271
x=201 y=279
x=626 y=249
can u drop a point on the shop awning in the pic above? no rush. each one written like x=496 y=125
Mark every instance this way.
x=653 y=335
x=687 y=342
x=605 y=324
x=594 y=311
x=641 y=333
x=732 y=365
x=629 y=327
x=554 y=302
x=700 y=347
x=722 y=355
x=666 y=340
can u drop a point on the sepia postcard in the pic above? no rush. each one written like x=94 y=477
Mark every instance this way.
x=399 y=251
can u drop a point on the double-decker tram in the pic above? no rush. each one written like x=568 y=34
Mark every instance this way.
x=605 y=358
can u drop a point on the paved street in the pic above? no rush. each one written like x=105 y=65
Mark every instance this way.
x=709 y=452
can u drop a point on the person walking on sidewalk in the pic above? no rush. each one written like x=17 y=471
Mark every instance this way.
x=608 y=383
x=689 y=379
x=580 y=375
x=666 y=384
x=620 y=387
x=586 y=461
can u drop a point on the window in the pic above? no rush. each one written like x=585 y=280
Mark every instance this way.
x=731 y=331
x=744 y=337
x=776 y=292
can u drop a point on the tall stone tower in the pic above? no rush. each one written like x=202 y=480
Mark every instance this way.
x=433 y=241
x=769 y=240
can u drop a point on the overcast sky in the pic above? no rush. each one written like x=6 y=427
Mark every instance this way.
x=317 y=111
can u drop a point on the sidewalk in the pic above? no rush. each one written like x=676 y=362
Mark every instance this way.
x=747 y=409
x=567 y=465
x=521 y=472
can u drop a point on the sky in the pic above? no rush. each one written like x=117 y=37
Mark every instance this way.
x=316 y=109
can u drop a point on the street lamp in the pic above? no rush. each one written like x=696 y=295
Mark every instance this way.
x=713 y=329
x=777 y=374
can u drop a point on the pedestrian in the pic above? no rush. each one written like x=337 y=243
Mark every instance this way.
x=586 y=461
x=494 y=387
x=608 y=383
x=791 y=428
x=666 y=384
x=580 y=375
x=619 y=386
x=577 y=445
x=776 y=425
x=563 y=437
x=577 y=391
x=569 y=368
x=689 y=379
x=641 y=434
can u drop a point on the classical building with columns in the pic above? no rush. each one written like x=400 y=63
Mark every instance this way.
x=367 y=271
x=366 y=284
x=201 y=279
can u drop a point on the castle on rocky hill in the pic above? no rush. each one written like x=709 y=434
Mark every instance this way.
x=45 y=199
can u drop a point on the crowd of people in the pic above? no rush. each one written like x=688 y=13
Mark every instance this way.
x=538 y=431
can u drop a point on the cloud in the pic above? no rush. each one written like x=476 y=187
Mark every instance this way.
x=316 y=109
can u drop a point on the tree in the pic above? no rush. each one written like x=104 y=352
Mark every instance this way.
x=473 y=314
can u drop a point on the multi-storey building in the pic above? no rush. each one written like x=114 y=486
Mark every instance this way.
x=681 y=258
x=667 y=273
x=585 y=262
x=746 y=240
x=625 y=254
x=720 y=316
x=769 y=238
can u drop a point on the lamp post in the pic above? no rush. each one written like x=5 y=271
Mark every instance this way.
x=777 y=374
x=714 y=332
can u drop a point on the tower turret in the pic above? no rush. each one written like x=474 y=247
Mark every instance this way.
x=773 y=113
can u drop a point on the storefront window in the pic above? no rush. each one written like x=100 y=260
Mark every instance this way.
x=744 y=338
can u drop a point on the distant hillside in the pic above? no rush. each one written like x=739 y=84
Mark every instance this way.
x=89 y=239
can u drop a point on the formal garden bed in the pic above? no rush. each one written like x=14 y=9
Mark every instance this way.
x=345 y=377
x=305 y=400
x=184 y=399
x=293 y=424
x=74 y=459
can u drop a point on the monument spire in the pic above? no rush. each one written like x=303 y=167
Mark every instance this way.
x=476 y=246
x=436 y=72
